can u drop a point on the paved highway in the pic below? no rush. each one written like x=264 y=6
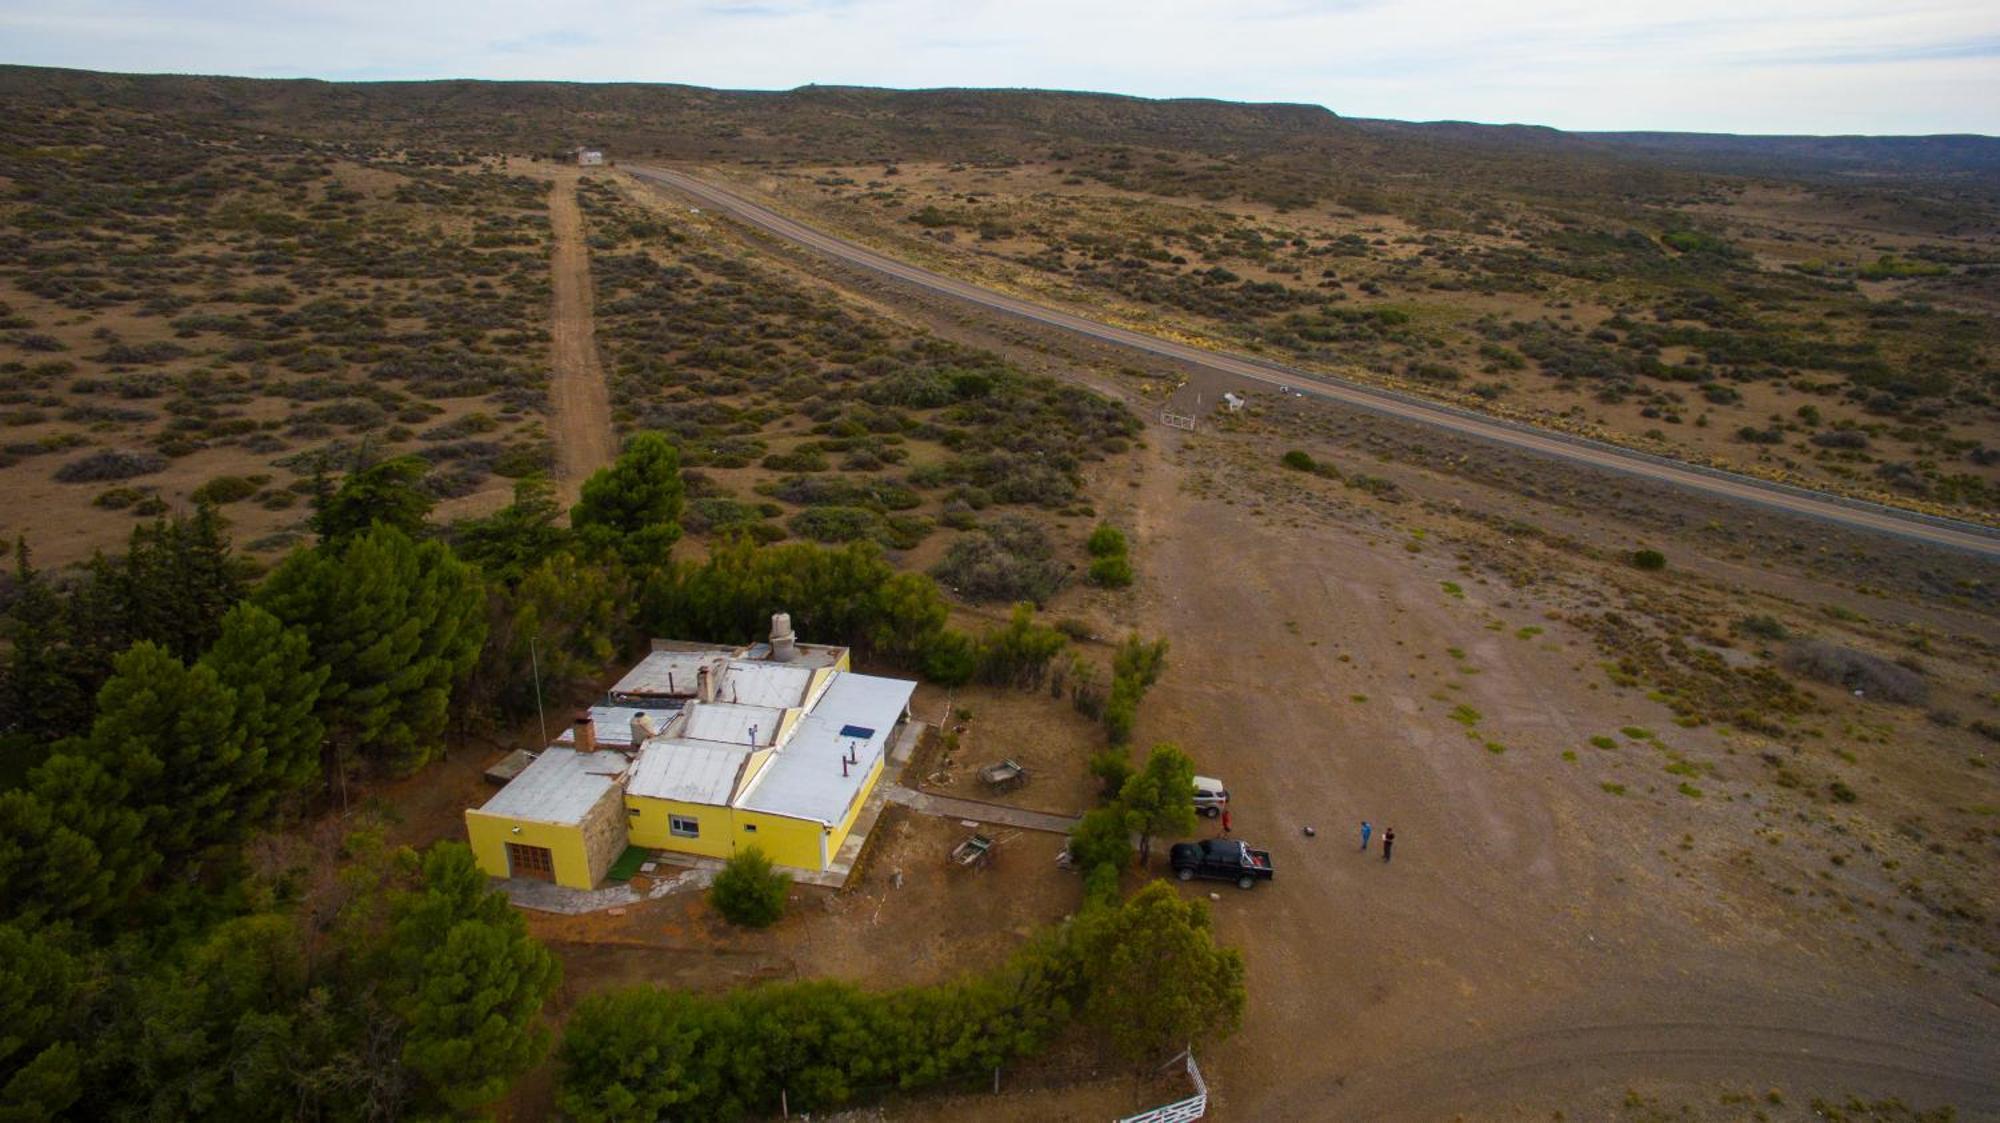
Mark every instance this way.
x=1795 y=500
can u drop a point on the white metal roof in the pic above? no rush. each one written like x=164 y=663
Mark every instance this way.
x=614 y=724
x=670 y=673
x=855 y=714
x=694 y=772
x=561 y=786
x=731 y=725
x=764 y=684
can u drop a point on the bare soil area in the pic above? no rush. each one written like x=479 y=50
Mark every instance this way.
x=582 y=402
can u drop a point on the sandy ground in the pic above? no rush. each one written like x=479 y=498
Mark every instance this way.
x=1525 y=948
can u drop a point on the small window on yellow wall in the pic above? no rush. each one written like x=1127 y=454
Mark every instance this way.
x=686 y=826
x=749 y=828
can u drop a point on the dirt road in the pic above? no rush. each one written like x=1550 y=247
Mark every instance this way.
x=582 y=423
x=1799 y=501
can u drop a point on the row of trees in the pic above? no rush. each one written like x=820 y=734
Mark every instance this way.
x=1142 y=976
x=1156 y=799
x=421 y=996
x=148 y=965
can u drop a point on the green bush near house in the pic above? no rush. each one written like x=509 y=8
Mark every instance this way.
x=749 y=891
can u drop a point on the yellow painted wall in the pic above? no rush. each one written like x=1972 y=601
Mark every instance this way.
x=853 y=811
x=784 y=840
x=490 y=834
x=786 y=722
x=652 y=829
x=751 y=767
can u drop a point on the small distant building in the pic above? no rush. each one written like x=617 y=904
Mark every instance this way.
x=589 y=157
x=702 y=749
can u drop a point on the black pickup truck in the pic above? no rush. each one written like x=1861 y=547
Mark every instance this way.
x=1224 y=858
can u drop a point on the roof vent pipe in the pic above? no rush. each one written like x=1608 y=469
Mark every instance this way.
x=784 y=644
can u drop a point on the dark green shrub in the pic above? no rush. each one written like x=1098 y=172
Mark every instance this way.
x=1763 y=627
x=1106 y=541
x=1009 y=560
x=836 y=524
x=1871 y=676
x=225 y=489
x=1112 y=573
x=749 y=892
x=110 y=464
x=1649 y=559
x=1299 y=461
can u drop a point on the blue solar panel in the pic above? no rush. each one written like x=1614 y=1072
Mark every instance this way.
x=862 y=732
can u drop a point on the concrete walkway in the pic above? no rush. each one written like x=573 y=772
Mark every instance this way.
x=951 y=807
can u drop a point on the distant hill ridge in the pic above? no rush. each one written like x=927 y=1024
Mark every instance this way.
x=851 y=123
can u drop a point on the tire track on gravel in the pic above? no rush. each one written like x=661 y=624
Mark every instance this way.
x=581 y=401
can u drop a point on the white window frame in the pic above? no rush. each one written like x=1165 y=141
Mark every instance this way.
x=684 y=826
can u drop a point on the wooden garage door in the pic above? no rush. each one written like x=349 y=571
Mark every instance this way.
x=531 y=861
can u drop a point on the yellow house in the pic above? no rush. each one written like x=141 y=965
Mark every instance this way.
x=562 y=820
x=703 y=750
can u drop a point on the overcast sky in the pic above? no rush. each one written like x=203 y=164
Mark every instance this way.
x=1818 y=66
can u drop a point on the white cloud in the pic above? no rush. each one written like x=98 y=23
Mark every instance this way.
x=1777 y=66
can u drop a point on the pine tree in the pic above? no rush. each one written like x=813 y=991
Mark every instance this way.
x=633 y=508
x=566 y=616
x=71 y=845
x=168 y=732
x=389 y=492
x=42 y=696
x=1157 y=980
x=467 y=981
x=512 y=541
x=270 y=670
x=396 y=623
x=38 y=984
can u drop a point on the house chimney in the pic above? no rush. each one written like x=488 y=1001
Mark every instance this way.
x=586 y=733
x=642 y=729
x=704 y=689
x=784 y=645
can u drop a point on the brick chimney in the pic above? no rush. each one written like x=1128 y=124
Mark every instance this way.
x=586 y=733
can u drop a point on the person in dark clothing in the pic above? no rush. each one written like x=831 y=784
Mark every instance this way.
x=1388 y=841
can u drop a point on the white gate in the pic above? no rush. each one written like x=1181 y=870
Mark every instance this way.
x=1174 y=420
x=1181 y=1111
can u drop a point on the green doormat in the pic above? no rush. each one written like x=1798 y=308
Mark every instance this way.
x=627 y=864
